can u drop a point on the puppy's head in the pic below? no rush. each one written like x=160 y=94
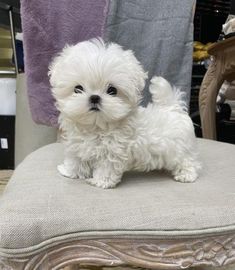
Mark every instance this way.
x=93 y=82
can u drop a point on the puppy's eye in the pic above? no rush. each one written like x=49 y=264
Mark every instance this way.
x=112 y=90
x=78 y=89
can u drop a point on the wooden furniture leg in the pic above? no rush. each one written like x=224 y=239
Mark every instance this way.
x=221 y=68
x=211 y=84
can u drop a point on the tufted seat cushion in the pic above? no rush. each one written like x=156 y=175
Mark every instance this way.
x=41 y=208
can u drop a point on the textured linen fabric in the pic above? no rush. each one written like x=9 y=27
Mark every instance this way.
x=47 y=27
x=161 y=35
x=40 y=208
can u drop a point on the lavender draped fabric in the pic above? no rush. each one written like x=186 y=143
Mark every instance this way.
x=47 y=27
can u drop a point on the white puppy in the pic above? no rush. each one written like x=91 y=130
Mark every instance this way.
x=97 y=88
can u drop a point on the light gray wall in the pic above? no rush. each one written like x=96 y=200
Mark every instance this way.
x=28 y=135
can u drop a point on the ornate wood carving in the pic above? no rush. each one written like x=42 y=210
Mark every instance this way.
x=211 y=84
x=146 y=253
x=222 y=68
x=210 y=74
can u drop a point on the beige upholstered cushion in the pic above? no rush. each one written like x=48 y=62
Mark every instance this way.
x=40 y=208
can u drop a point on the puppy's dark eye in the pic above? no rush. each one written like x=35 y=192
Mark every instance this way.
x=112 y=90
x=78 y=89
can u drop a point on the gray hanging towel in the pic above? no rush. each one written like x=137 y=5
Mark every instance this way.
x=160 y=32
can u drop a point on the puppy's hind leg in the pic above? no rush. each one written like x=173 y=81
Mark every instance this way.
x=186 y=171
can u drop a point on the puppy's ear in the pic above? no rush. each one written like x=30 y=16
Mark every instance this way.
x=56 y=66
x=136 y=70
x=133 y=67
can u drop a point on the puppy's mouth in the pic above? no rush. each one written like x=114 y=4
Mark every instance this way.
x=94 y=108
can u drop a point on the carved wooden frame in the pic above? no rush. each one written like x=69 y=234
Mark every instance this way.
x=168 y=254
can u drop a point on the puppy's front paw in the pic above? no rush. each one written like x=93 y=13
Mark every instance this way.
x=63 y=170
x=105 y=183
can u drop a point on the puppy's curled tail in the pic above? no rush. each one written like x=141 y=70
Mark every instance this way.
x=163 y=94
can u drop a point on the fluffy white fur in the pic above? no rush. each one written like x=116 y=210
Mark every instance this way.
x=101 y=145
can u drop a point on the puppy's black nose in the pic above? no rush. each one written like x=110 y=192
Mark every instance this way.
x=95 y=99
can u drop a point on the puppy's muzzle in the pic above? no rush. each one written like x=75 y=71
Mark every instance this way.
x=95 y=100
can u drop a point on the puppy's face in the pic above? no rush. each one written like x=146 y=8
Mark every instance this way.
x=96 y=83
